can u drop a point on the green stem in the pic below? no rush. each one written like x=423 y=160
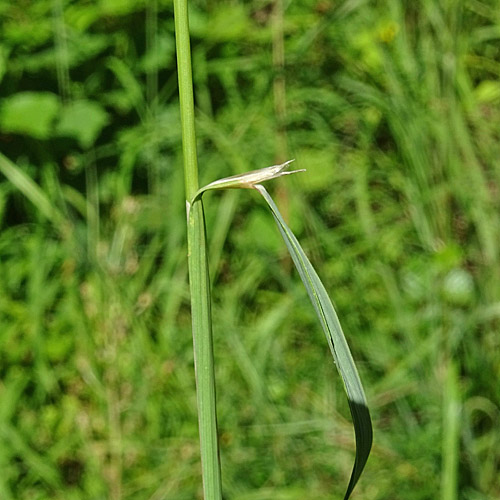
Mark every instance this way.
x=198 y=268
x=186 y=97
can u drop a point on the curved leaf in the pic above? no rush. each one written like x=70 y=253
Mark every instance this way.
x=336 y=341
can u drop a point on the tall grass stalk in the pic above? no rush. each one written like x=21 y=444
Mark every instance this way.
x=198 y=268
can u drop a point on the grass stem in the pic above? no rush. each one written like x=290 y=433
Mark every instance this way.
x=198 y=268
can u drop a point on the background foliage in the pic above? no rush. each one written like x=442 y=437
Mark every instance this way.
x=394 y=109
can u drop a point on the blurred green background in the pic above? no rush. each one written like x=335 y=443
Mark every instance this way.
x=393 y=107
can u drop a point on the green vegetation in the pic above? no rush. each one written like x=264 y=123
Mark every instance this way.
x=392 y=107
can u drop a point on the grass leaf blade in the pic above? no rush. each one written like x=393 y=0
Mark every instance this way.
x=30 y=189
x=336 y=341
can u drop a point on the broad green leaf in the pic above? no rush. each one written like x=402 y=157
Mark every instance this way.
x=160 y=56
x=30 y=113
x=324 y=310
x=83 y=120
x=488 y=91
x=227 y=22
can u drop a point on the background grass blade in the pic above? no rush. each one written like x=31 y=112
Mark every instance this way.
x=30 y=189
x=336 y=340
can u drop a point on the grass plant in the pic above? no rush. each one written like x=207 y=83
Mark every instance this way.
x=322 y=305
x=200 y=287
x=393 y=107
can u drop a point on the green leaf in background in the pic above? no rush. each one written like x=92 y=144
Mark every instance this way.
x=82 y=120
x=31 y=190
x=319 y=176
x=4 y=55
x=488 y=91
x=118 y=7
x=260 y=223
x=162 y=56
x=227 y=22
x=29 y=113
